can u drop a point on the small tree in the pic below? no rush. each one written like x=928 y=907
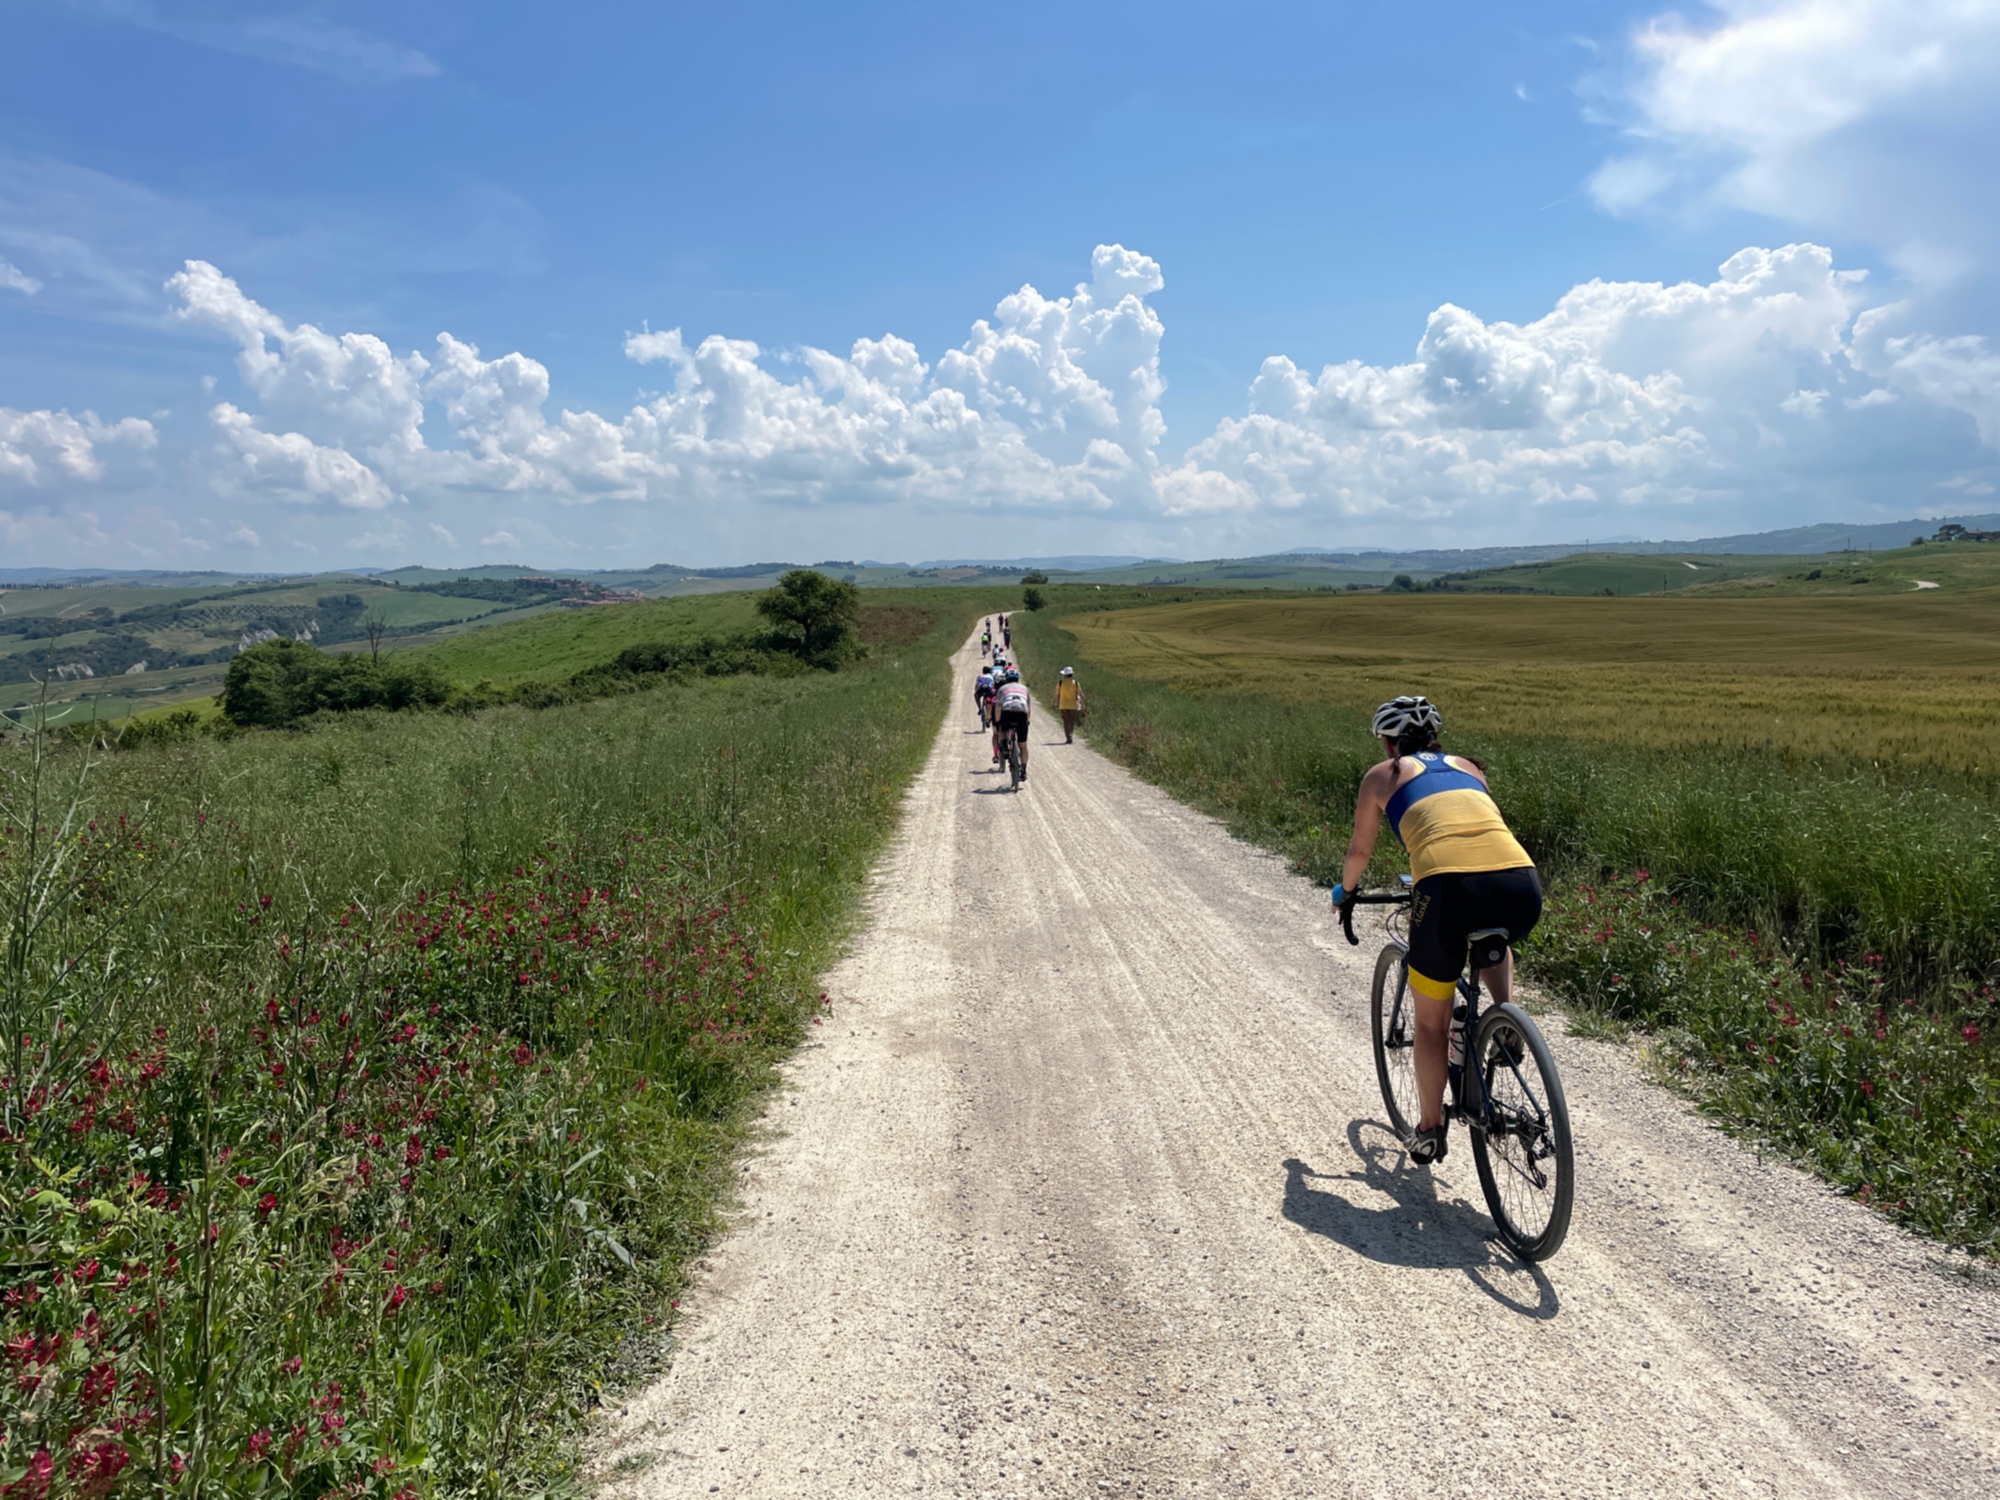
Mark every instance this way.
x=812 y=616
x=1035 y=575
x=376 y=624
x=1031 y=598
x=1402 y=583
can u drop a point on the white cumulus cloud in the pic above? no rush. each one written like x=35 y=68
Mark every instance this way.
x=1776 y=382
x=48 y=448
x=1051 y=403
x=1873 y=119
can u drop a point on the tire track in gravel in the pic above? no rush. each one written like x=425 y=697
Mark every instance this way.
x=1084 y=1191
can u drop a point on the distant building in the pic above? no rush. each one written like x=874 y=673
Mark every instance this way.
x=1956 y=533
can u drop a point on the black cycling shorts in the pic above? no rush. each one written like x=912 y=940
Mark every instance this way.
x=1016 y=720
x=1447 y=909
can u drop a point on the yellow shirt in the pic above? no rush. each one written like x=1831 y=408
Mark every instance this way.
x=1447 y=820
x=1068 y=694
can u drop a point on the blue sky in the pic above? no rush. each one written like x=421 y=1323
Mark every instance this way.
x=1338 y=303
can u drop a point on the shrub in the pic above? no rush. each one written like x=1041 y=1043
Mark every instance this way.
x=1031 y=598
x=279 y=683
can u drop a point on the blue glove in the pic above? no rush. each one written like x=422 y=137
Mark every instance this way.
x=1338 y=894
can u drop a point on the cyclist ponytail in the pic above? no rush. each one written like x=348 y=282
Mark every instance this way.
x=1417 y=737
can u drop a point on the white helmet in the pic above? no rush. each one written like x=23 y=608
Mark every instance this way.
x=1395 y=718
x=1069 y=671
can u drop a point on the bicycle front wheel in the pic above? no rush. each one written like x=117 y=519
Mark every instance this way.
x=1521 y=1141
x=1395 y=1025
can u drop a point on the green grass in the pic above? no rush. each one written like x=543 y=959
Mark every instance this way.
x=558 y=643
x=1833 y=574
x=379 y=1081
x=1868 y=887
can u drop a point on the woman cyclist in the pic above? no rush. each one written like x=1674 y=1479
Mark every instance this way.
x=1470 y=872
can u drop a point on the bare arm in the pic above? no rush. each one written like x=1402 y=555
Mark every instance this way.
x=1368 y=808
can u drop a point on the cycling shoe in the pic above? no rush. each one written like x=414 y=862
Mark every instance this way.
x=1428 y=1146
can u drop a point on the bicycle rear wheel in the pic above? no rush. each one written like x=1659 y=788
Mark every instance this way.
x=1395 y=1026
x=1521 y=1144
x=1014 y=769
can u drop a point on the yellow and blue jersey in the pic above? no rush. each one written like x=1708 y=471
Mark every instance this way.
x=1447 y=820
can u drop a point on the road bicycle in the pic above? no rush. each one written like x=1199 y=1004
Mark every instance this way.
x=1511 y=1098
x=1010 y=756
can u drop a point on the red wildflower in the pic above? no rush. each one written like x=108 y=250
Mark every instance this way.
x=1971 y=1034
x=396 y=1299
x=258 y=1446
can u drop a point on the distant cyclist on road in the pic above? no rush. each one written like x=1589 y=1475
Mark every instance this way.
x=986 y=641
x=1012 y=707
x=982 y=693
x=1470 y=873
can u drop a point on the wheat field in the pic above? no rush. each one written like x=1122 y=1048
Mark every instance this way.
x=1913 y=678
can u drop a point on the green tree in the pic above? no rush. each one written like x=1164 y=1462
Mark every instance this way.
x=812 y=616
x=1031 y=598
x=1402 y=583
x=1034 y=575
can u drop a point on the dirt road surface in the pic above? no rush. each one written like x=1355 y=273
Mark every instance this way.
x=1083 y=1191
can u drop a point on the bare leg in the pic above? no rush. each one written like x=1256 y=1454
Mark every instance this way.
x=1432 y=1057
x=1024 y=752
x=1499 y=980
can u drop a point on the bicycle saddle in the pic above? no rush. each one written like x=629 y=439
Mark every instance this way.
x=1488 y=946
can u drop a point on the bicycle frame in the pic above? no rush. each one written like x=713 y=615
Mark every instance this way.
x=1467 y=1096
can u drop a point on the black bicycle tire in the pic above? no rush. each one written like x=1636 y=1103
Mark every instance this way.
x=1539 y=1246
x=1393 y=958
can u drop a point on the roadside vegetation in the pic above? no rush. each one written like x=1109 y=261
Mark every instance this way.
x=1811 y=938
x=372 y=1084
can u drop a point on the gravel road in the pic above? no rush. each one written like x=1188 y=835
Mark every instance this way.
x=1084 y=1190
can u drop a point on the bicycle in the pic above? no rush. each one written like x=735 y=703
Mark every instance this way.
x=1519 y=1124
x=1010 y=754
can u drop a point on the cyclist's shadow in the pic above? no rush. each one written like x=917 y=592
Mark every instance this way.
x=1419 y=1228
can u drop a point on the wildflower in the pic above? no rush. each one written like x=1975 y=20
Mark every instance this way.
x=1867 y=1088
x=265 y=1204
x=1971 y=1034
x=258 y=1446
x=293 y=1365
x=397 y=1296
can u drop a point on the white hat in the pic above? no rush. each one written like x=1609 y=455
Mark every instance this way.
x=1069 y=671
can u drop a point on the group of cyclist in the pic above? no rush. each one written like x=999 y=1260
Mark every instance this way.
x=999 y=697
x=1469 y=871
x=1469 y=874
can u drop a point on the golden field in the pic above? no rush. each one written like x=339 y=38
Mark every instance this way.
x=1910 y=677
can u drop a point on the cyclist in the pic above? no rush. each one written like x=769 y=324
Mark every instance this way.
x=982 y=692
x=1470 y=873
x=986 y=640
x=1011 y=706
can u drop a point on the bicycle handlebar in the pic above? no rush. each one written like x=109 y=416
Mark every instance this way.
x=1381 y=898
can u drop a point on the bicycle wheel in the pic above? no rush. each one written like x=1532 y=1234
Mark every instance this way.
x=1395 y=1026
x=1522 y=1144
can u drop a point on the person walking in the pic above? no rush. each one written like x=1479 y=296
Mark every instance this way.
x=1069 y=702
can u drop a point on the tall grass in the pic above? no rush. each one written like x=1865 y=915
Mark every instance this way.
x=1824 y=868
x=370 y=1087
